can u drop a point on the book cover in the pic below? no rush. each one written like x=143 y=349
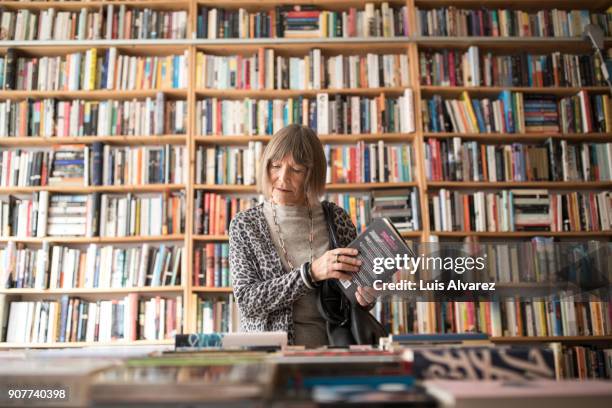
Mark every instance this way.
x=379 y=240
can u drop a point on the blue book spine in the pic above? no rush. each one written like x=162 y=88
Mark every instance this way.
x=366 y=164
x=63 y=318
x=479 y=116
x=175 y=71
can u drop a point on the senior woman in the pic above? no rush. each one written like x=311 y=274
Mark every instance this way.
x=279 y=250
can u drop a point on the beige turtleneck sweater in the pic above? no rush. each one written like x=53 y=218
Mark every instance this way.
x=295 y=229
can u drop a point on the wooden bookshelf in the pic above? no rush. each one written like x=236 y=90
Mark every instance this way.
x=96 y=240
x=94 y=291
x=546 y=339
x=387 y=137
x=522 y=234
x=287 y=47
x=203 y=289
x=451 y=91
x=330 y=187
x=95 y=95
x=522 y=137
x=76 y=344
x=111 y=140
x=291 y=93
x=142 y=188
x=569 y=185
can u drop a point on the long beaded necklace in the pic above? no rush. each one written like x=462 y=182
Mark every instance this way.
x=280 y=235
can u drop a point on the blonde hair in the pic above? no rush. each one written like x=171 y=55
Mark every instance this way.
x=306 y=149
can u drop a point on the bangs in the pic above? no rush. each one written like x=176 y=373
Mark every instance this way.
x=294 y=144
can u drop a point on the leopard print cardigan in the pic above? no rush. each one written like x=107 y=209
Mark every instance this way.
x=265 y=293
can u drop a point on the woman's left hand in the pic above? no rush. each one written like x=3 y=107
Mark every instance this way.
x=365 y=296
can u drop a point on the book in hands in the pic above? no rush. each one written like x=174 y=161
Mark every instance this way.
x=379 y=240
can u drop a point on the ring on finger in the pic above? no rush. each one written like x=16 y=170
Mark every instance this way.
x=337 y=258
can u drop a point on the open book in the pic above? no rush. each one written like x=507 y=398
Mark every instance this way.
x=379 y=240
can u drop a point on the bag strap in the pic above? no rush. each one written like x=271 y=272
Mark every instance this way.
x=328 y=213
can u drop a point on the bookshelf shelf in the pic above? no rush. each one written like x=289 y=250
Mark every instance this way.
x=199 y=289
x=562 y=339
x=374 y=137
x=288 y=93
x=350 y=43
x=167 y=342
x=335 y=187
x=518 y=137
x=36 y=5
x=92 y=291
x=95 y=240
x=210 y=238
x=94 y=95
x=143 y=188
x=560 y=91
x=214 y=238
x=522 y=4
x=521 y=184
x=112 y=140
x=522 y=234
x=506 y=43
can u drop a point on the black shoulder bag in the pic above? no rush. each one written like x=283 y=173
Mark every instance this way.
x=346 y=323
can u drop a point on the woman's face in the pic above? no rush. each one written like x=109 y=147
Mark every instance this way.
x=287 y=179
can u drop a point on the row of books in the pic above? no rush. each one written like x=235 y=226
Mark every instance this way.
x=583 y=362
x=540 y=260
x=93 y=69
x=461 y=160
x=72 y=319
x=521 y=210
x=80 y=165
x=228 y=164
x=370 y=163
x=213 y=212
x=401 y=206
x=358 y=206
x=505 y=318
x=304 y=21
x=62 y=165
x=129 y=215
x=515 y=112
x=216 y=315
x=267 y=70
x=92 y=215
x=456 y=22
x=72 y=118
x=109 y=23
x=211 y=266
x=338 y=114
x=363 y=163
x=62 y=267
x=113 y=165
x=476 y=68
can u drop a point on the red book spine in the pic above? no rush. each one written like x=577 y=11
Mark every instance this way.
x=197 y=267
x=210 y=265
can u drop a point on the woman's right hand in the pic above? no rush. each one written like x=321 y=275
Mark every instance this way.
x=339 y=263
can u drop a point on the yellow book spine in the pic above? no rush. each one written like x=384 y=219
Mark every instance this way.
x=607 y=113
x=200 y=69
x=353 y=209
x=92 y=70
x=468 y=102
